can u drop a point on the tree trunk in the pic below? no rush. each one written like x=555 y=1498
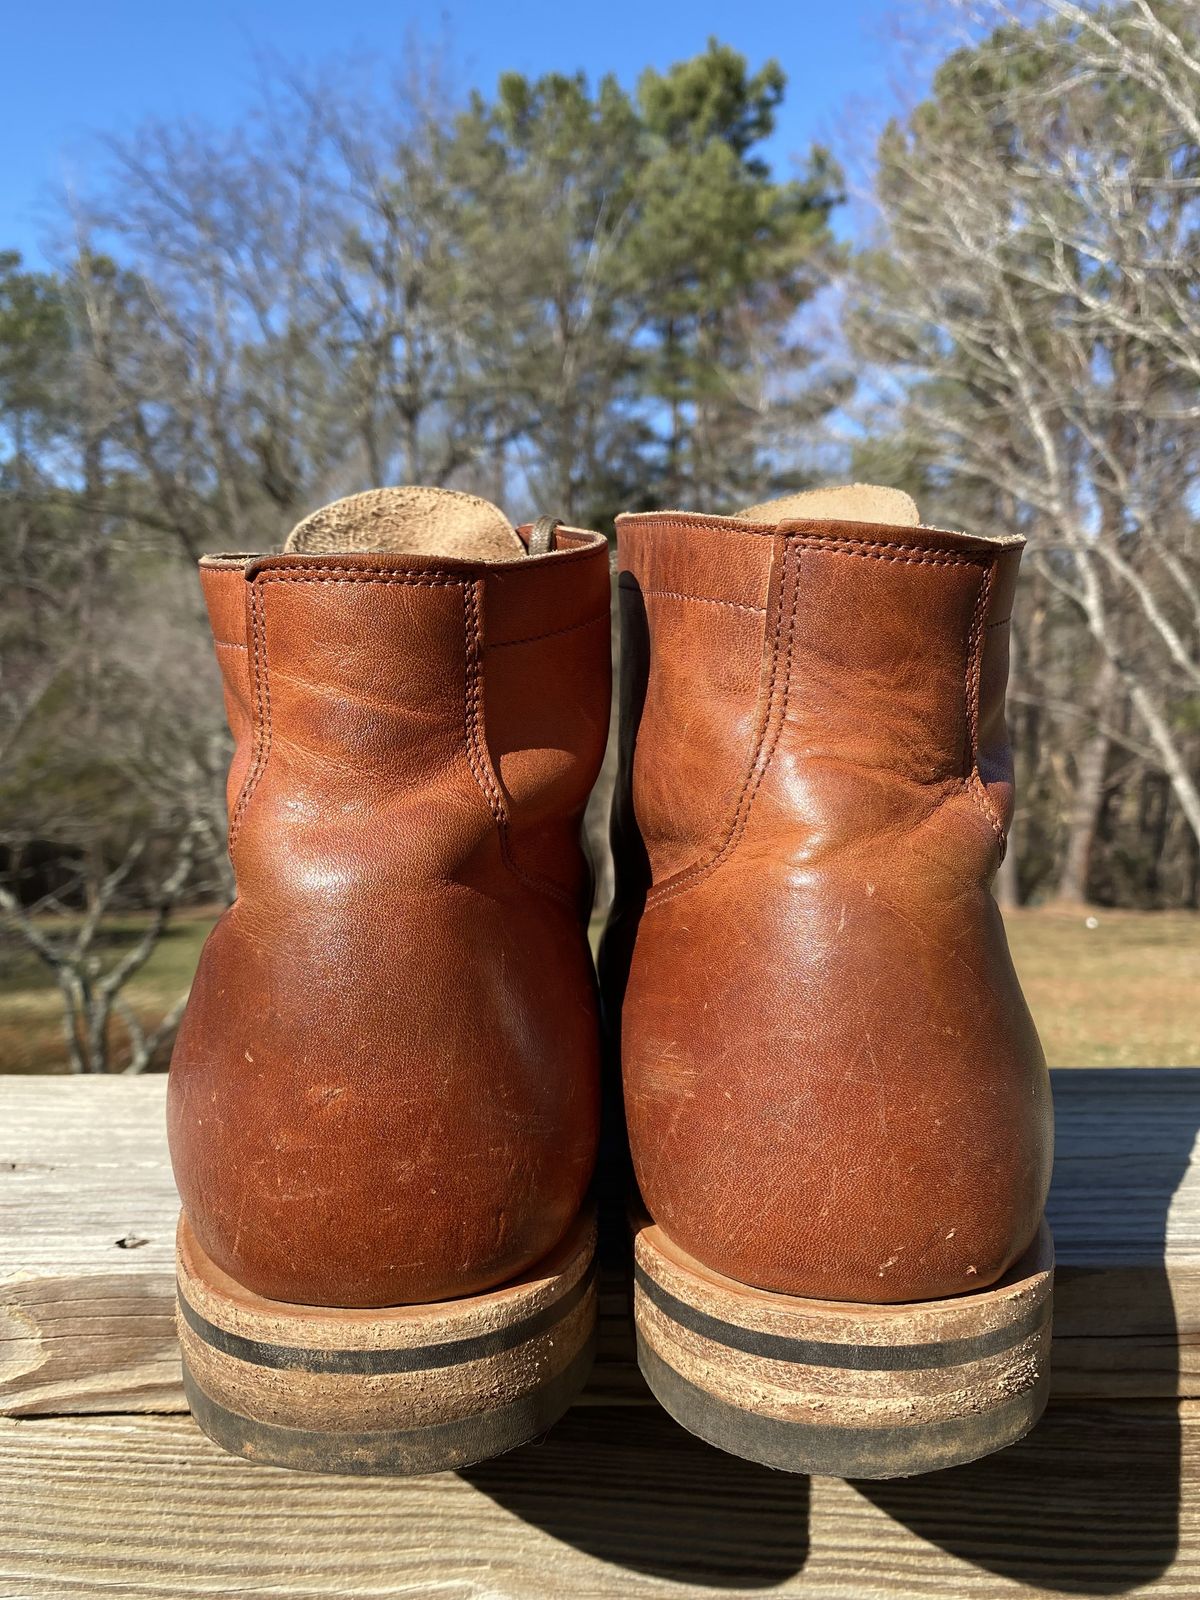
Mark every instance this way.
x=1090 y=770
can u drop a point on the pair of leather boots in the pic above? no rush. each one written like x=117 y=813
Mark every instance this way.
x=384 y=1102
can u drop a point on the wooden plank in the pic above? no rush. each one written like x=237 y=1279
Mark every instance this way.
x=612 y=1504
x=87 y=1218
x=87 y=1246
x=1125 y=1210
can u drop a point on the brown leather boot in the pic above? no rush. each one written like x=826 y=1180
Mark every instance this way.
x=383 y=1098
x=837 y=1104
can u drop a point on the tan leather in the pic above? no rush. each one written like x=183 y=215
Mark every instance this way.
x=852 y=502
x=384 y=1089
x=410 y=520
x=832 y=1083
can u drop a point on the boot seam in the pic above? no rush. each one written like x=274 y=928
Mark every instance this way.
x=702 y=599
x=261 y=709
x=872 y=550
x=479 y=757
x=259 y=666
x=975 y=785
x=764 y=744
x=857 y=544
x=426 y=580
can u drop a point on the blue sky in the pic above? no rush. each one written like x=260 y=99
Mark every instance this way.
x=83 y=70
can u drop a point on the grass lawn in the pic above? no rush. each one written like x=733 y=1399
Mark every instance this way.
x=31 y=1027
x=1124 y=993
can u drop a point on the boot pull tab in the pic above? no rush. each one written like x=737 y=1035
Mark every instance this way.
x=541 y=535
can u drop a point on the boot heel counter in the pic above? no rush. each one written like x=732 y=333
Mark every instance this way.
x=694 y=615
x=322 y=1160
x=795 y=1128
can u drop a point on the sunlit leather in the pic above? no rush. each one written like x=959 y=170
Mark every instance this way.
x=384 y=1089
x=832 y=1083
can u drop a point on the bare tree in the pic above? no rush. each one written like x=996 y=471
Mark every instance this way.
x=89 y=987
x=1035 y=303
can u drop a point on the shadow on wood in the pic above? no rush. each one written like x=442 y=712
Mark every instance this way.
x=1075 y=1507
x=655 y=1500
x=1088 y=1504
x=652 y=1499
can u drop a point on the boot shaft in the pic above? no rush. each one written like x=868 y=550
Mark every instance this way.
x=815 y=686
x=833 y=1087
x=423 y=714
x=384 y=1089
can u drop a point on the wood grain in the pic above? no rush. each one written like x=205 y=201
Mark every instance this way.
x=88 y=1209
x=614 y=1503
x=87 y=1246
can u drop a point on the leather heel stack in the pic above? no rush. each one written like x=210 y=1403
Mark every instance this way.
x=847 y=1390
x=403 y=1389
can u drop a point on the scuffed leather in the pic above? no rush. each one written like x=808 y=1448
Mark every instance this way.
x=385 y=1086
x=832 y=1084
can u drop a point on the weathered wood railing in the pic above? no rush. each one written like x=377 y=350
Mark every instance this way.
x=107 y=1488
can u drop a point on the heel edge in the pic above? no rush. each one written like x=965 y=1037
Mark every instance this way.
x=844 y=1390
x=397 y=1390
x=392 y=1452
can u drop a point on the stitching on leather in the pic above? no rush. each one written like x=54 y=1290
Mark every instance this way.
x=915 y=557
x=415 y=581
x=228 y=644
x=704 y=599
x=849 y=544
x=262 y=717
x=584 y=549
x=974 y=783
x=763 y=751
x=477 y=753
x=258 y=657
x=479 y=766
x=533 y=638
x=758 y=768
